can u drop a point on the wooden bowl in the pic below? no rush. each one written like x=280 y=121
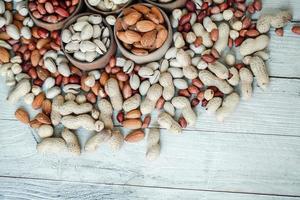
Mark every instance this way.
x=96 y=10
x=153 y=56
x=100 y=62
x=168 y=6
x=56 y=26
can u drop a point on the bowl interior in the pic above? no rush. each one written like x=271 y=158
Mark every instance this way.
x=166 y=23
x=95 y=9
x=58 y=25
x=70 y=22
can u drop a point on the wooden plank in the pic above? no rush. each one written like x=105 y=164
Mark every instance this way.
x=195 y=160
x=15 y=188
x=284 y=53
x=269 y=112
x=273 y=5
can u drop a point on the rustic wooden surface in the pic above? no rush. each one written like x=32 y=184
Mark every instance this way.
x=253 y=155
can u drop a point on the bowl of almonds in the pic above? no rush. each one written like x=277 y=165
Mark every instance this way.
x=143 y=33
x=87 y=41
x=52 y=15
x=107 y=7
x=168 y=5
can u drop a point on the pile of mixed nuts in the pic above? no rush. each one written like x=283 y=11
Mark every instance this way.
x=217 y=52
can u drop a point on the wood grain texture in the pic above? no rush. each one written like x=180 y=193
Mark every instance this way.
x=271 y=6
x=11 y=189
x=257 y=150
x=194 y=160
x=284 y=53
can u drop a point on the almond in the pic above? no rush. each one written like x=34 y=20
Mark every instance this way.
x=35 y=124
x=127 y=11
x=132 y=123
x=152 y=17
x=141 y=8
x=138 y=45
x=135 y=136
x=133 y=114
x=139 y=52
x=132 y=18
x=158 y=14
x=4 y=36
x=4 y=55
x=47 y=107
x=161 y=37
x=122 y=36
x=127 y=46
x=148 y=39
x=145 y=26
x=132 y=36
x=42 y=73
x=132 y=28
x=118 y=25
x=35 y=57
x=38 y=101
x=43 y=118
x=22 y=116
x=124 y=25
x=159 y=27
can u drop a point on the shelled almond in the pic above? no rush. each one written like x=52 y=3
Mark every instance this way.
x=141 y=29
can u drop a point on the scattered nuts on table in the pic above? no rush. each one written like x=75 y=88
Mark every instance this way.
x=217 y=53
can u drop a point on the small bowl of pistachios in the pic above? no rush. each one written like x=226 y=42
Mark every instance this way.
x=107 y=7
x=167 y=5
x=87 y=41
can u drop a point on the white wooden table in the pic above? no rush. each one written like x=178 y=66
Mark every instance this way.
x=253 y=155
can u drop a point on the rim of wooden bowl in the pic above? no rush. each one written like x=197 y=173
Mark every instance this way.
x=168 y=6
x=155 y=55
x=94 y=9
x=100 y=62
x=58 y=25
